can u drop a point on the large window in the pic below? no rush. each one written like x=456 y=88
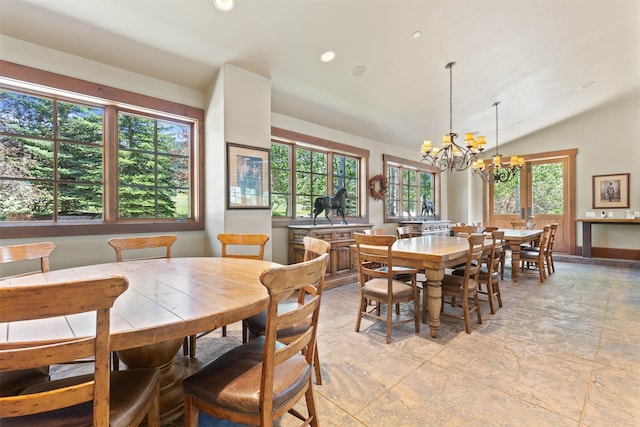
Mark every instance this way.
x=75 y=163
x=410 y=186
x=303 y=171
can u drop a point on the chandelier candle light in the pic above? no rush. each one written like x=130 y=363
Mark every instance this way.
x=452 y=157
x=497 y=170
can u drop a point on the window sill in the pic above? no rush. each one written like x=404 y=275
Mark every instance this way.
x=19 y=230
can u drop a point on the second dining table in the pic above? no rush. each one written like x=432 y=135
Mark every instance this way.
x=167 y=300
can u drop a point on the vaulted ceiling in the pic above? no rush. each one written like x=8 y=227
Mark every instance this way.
x=545 y=61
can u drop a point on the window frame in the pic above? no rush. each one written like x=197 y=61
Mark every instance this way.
x=16 y=76
x=295 y=139
x=393 y=161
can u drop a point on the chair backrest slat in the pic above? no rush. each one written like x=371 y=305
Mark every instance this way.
x=121 y=244
x=26 y=252
x=258 y=241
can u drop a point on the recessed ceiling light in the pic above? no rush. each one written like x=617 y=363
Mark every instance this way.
x=586 y=85
x=328 y=56
x=358 y=71
x=224 y=5
x=416 y=34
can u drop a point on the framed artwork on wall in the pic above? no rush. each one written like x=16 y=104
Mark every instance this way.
x=248 y=177
x=611 y=191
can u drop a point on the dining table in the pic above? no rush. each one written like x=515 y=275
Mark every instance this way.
x=167 y=299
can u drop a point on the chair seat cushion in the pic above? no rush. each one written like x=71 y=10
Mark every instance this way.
x=232 y=381
x=378 y=288
x=529 y=255
x=258 y=324
x=130 y=391
x=454 y=283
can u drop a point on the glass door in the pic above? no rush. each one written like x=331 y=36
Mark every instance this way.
x=540 y=194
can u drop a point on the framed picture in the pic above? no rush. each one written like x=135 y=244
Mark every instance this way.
x=248 y=177
x=611 y=191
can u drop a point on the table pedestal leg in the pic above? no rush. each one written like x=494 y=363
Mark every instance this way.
x=515 y=261
x=434 y=301
x=162 y=355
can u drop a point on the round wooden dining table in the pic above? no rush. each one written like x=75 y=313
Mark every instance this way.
x=167 y=300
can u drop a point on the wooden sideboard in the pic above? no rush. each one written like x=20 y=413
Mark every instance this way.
x=342 y=268
x=442 y=227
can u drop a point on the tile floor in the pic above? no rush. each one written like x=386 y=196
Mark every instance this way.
x=562 y=353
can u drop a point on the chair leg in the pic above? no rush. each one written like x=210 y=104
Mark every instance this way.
x=224 y=331
x=424 y=303
x=191 y=413
x=466 y=315
x=311 y=406
x=389 y=321
x=477 y=302
x=316 y=363
x=490 y=294
x=115 y=361
x=361 y=309
x=245 y=328
x=416 y=309
x=192 y=346
x=185 y=346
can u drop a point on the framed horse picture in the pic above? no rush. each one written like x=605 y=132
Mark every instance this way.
x=248 y=177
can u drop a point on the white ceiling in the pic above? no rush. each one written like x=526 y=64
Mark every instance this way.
x=531 y=55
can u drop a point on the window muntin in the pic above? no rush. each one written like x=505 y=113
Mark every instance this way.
x=53 y=144
x=313 y=172
x=408 y=187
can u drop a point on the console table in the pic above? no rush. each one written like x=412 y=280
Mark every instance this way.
x=586 y=230
x=342 y=268
x=438 y=227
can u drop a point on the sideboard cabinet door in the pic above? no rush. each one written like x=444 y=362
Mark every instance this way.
x=341 y=269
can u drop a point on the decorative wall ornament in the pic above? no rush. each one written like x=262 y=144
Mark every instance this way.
x=378 y=186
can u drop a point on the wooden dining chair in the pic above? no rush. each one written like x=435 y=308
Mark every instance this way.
x=406 y=232
x=234 y=245
x=523 y=224
x=466 y=230
x=548 y=252
x=257 y=325
x=489 y=274
x=465 y=288
x=136 y=247
x=14 y=382
x=379 y=285
x=102 y=398
x=374 y=231
x=537 y=258
x=261 y=380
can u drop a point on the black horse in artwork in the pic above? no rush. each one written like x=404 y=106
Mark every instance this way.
x=337 y=203
x=428 y=208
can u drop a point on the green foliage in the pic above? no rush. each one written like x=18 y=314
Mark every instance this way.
x=35 y=163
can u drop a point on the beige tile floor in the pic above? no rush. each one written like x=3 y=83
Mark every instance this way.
x=561 y=353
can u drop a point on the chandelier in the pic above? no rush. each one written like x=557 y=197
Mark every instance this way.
x=497 y=170
x=452 y=157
